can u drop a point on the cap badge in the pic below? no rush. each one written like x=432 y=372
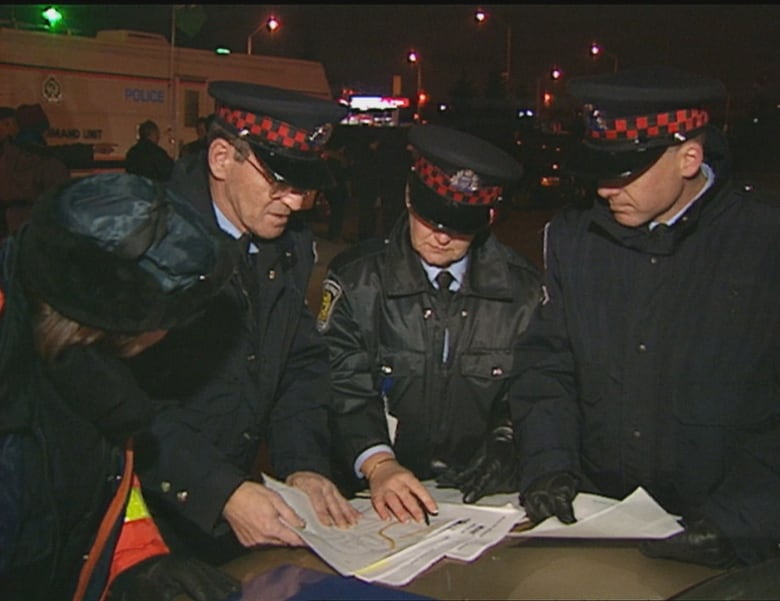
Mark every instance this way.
x=321 y=134
x=595 y=120
x=464 y=180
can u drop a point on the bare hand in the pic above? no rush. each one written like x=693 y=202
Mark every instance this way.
x=259 y=516
x=328 y=503
x=396 y=491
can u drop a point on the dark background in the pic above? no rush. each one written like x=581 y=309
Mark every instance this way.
x=363 y=46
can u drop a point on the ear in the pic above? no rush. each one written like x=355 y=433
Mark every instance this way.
x=691 y=156
x=220 y=156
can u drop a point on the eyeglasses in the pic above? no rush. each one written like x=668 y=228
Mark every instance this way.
x=281 y=188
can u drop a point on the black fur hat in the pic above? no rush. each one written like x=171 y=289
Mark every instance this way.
x=121 y=253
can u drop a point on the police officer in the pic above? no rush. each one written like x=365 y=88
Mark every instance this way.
x=252 y=374
x=421 y=364
x=655 y=357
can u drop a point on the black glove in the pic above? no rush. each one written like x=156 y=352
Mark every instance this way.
x=493 y=469
x=551 y=495
x=701 y=542
x=164 y=577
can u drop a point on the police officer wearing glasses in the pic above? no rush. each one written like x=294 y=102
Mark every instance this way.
x=254 y=372
x=654 y=360
x=420 y=329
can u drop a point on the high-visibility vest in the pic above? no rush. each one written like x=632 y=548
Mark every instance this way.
x=138 y=539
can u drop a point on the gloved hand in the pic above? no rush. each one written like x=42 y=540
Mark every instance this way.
x=701 y=542
x=551 y=495
x=164 y=577
x=493 y=469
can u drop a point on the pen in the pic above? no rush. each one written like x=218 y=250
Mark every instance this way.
x=425 y=512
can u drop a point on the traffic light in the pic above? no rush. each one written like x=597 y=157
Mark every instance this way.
x=222 y=50
x=422 y=98
x=52 y=16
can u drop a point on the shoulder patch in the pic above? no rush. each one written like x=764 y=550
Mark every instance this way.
x=331 y=293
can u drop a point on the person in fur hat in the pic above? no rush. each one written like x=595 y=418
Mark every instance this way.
x=105 y=267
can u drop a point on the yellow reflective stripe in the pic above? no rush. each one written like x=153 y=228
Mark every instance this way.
x=136 y=506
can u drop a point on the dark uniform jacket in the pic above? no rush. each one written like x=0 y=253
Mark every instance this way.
x=385 y=334
x=252 y=369
x=655 y=362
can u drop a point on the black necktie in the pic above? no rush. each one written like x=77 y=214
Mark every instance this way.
x=444 y=279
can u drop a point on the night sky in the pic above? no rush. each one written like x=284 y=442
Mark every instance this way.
x=363 y=46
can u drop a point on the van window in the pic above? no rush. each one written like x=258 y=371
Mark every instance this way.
x=191 y=107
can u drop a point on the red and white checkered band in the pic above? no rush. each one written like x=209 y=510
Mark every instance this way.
x=267 y=129
x=645 y=126
x=440 y=182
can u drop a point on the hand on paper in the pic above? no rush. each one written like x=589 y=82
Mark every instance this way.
x=259 y=516
x=493 y=469
x=551 y=495
x=396 y=492
x=331 y=507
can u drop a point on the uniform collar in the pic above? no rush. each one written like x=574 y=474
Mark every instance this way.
x=457 y=271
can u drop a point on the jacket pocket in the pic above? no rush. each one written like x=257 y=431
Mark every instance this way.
x=486 y=373
x=398 y=370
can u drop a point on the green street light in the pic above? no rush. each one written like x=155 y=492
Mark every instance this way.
x=222 y=50
x=52 y=16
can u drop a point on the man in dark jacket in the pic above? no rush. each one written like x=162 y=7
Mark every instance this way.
x=254 y=371
x=421 y=366
x=655 y=357
x=146 y=157
x=97 y=276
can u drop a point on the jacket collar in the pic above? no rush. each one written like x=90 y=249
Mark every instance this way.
x=487 y=275
x=661 y=240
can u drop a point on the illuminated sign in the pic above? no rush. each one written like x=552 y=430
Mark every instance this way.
x=377 y=103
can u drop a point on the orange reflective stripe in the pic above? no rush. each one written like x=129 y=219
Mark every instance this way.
x=139 y=539
x=110 y=518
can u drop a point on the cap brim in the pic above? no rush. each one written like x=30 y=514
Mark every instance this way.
x=302 y=173
x=446 y=215
x=592 y=164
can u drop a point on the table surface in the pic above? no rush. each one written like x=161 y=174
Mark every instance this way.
x=521 y=569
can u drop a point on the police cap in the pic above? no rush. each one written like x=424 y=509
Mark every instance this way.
x=633 y=116
x=456 y=178
x=285 y=129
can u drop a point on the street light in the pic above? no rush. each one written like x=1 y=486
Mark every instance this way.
x=271 y=24
x=414 y=60
x=480 y=16
x=543 y=98
x=597 y=50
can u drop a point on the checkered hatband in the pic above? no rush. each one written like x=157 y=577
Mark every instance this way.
x=462 y=187
x=644 y=127
x=266 y=129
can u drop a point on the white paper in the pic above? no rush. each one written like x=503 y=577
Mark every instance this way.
x=636 y=516
x=392 y=552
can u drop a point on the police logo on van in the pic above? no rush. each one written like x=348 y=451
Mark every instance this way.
x=52 y=89
x=331 y=293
